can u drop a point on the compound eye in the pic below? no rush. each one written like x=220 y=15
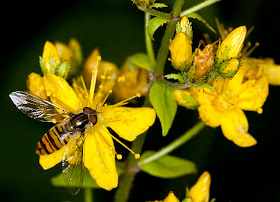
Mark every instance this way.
x=93 y=118
x=87 y=110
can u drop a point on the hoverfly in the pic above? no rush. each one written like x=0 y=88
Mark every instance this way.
x=70 y=129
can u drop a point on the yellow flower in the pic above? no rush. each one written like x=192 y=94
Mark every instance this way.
x=170 y=198
x=265 y=67
x=131 y=82
x=200 y=191
x=246 y=91
x=99 y=150
x=233 y=42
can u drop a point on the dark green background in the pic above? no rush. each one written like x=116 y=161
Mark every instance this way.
x=116 y=27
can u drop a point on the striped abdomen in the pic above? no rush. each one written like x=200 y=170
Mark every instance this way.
x=58 y=136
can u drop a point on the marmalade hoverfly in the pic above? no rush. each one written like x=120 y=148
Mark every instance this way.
x=71 y=127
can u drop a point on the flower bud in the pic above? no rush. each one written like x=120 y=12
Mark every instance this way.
x=229 y=69
x=200 y=191
x=171 y=198
x=35 y=84
x=181 y=50
x=232 y=44
x=50 y=58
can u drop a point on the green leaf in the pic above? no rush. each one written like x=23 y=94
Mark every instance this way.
x=178 y=77
x=158 y=5
x=163 y=100
x=198 y=17
x=205 y=85
x=154 y=24
x=167 y=166
x=141 y=60
x=88 y=181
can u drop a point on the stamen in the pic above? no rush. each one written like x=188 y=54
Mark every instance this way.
x=124 y=102
x=92 y=86
x=84 y=85
x=136 y=155
x=119 y=156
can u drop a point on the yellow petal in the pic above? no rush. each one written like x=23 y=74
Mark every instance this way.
x=63 y=51
x=209 y=115
x=35 y=84
x=273 y=74
x=61 y=93
x=200 y=191
x=50 y=160
x=234 y=125
x=128 y=122
x=171 y=198
x=99 y=157
x=202 y=95
x=253 y=94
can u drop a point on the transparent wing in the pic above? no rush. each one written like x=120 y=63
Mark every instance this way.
x=73 y=165
x=36 y=107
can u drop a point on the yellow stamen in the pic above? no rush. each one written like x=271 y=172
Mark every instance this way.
x=84 y=85
x=137 y=156
x=123 y=145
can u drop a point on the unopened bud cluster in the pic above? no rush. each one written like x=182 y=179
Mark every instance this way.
x=214 y=60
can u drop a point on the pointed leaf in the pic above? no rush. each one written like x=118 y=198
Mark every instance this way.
x=158 y=5
x=154 y=24
x=205 y=85
x=178 y=77
x=163 y=100
x=198 y=17
x=141 y=60
x=167 y=166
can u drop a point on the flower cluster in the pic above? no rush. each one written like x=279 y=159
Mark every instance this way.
x=198 y=193
x=211 y=62
x=127 y=122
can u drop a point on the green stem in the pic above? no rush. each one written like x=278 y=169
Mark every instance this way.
x=177 y=7
x=163 y=50
x=148 y=40
x=156 y=13
x=198 y=7
x=88 y=195
x=175 y=144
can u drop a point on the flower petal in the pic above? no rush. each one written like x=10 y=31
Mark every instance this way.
x=235 y=128
x=171 y=198
x=61 y=93
x=50 y=160
x=128 y=122
x=99 y=157
x=209 y=115
x=253 y=94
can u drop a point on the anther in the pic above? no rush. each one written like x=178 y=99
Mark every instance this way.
x=259 y=110
x=103 y=77
x=98 y=57
x=138 y=94
x=119 y=156
x=137 y=156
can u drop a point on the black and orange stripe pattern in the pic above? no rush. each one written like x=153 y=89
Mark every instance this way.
x=58 y=136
